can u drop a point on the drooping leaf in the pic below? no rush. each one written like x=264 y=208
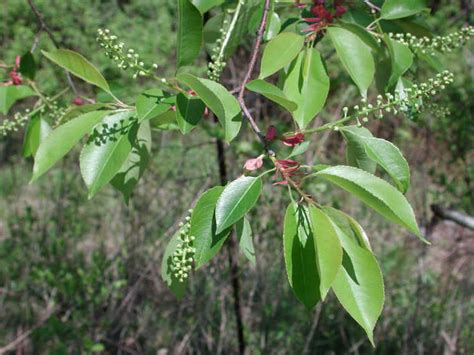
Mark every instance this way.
x=363 y=34
x=395 y=9
x=189 y=111
x=273 y=27
x=307 y=84
x=401 y=58
x=376 y=193
x=359 y=283
x=167 y=273
x=36 y=132
x=355 y=55
x=371 y=151
x=11 y=94
x=76 y=64
x=203 y=227
x=219 y=100
x=279 y=52
x=313 y=253
x=356 y=154
x=271 y=92
x=61 y=140
x=107 y=149
x=236 y=200
x=132 y=170
x=391 y=159
x=244 y=235
x=189 y=32
x=28 y=66
x=205 y=5
x=349 y=226
x=151 y=103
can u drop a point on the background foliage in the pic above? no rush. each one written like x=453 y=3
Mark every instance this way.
x=85 y=275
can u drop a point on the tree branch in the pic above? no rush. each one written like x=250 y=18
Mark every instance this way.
x=44 y=27
x=248 y=75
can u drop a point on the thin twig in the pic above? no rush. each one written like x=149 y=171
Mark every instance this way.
x=44 y=27
x=372 y=6
x=248 y=75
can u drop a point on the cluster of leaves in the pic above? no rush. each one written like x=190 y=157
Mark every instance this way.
x=324 y=248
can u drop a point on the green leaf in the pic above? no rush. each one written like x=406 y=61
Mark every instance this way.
x=244 y=235
x=11 y=94
x=132 y=170
x=355 y=55
x=79 y=66
x=376 y=193
x=167 y=274
x=28 y=66
x=363 y=34
x=61 y=140
x=359 y=283
x=401 y=59
x=349 y=226
x=238 y=198
x=395 y=9
x=189 y=111
x=307 y=77
x=203 y=227
x=189 y=33
x=273 y=27
x=36 y=132
x=75 y=111
x=391 y=159
x=356 y=154
x=313 y=254
x=371 y=151
x=279 y=52
x=219 y=100
x=205 y=5
x=165 y=121
x=151 y=103
x=107 y=150
x=271 y=92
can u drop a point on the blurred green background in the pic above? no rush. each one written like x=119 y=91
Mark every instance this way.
x=79 y=276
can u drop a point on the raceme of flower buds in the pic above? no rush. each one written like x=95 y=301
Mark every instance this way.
x=407 y=101
x=438 y=43
x=125 y=59
x=183 y=256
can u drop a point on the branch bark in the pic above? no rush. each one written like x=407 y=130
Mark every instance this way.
x=455 y=216
x=44 y=27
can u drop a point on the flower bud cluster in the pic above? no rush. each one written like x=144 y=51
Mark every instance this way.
x=18 y=121
x=183 y=256
x=438 y=43
x=125 y=59
x=217 y=63
x=408 y=101
x=54 y=111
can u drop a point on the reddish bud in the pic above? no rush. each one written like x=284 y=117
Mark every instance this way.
x=271 y=133
x=78 y=101
x=254 y=164
x=293 y=139
x=287 y=163
x=340 y=10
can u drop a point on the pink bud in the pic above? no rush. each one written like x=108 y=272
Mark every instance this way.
x=254 y=164
x=78 y=101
